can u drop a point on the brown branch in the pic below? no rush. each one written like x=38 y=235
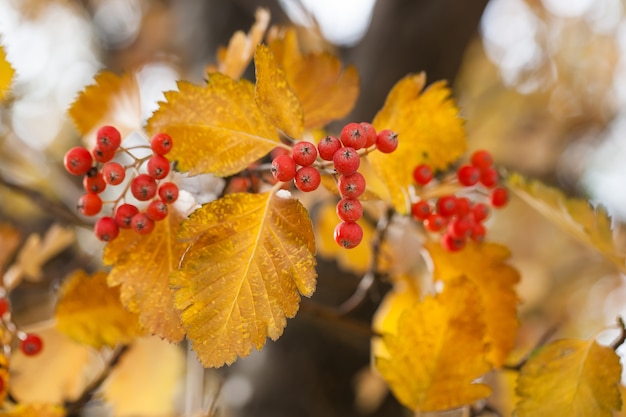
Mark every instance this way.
x=622 y=337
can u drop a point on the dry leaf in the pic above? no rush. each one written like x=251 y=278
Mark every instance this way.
x=252 y=256
x=484 y=264
x=574 y=378
x=429 y=131
x=9 y=241
x=6 y=74
x=142 y=265
x=34 y=410
x=436 y=351
x=90 y=312
x=274 y=96
x=216 y=129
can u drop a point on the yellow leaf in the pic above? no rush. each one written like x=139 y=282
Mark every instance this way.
x=9 y=241
x=110 y=100
x=232 y=61
x=6 y=74
x=90 y=312
x=574 y=378
x=429 y=131
x=591 y=226
x=142 y=265
x=34 y=410
x=484 y=265
x=216 y=129
x=325 y=92
x=252 y=256
x=437 y=351
x=274 y=96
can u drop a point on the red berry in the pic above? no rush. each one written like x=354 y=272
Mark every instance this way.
x=124 y=215
x=279 y=150
x=168 y=192
x=94 y=182
x=452 y=243
x=142 y=224
x=478 y=232
x=283 y=168
x=78 y=161
x=489 y=177
x=108 y=138
x=346 y=161
x=499 y=197
x=106 y=229
x=468 y=175
x=113 y=173
x=304 y=153
x=421 y=210
x=90 y=204
x=143 y=187
x=103 y=155
x=158 y=167
x=353 y=136
x=308 y=179
x=327 y=147
x=459 y=227
x=386 y=141
x=351 y=185
x=481 y=159
x=349 y=209
x=156 y=210
x=4 y=308
x=31 y=344
x=235 y=185
x=161 y=143
x=370 y=134
x=480 y=211
x=463 y=205
x=447 y=206
x=348 y=234
x=422 y=174
x=435 y=222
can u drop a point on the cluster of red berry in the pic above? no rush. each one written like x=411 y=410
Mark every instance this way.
x=343 y=152
x=30 y=343
x=459 y=218
x=99 y=170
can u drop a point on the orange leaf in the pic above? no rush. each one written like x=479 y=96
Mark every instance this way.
x=216 y=129
x=574 y=378
x=34 y=410
x=429 y=131
x=436 y=351
x=142 y=265
x=484 y=265
x=274 y=96
x=6 y=74
x=90 y=312
x=9 y=241
x=325 y=92
x=252 y=256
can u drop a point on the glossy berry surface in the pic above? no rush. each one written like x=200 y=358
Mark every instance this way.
x=447 y=206
x=90 y=204
x=422 y=174
x=499 y=197
x=370 y=134
x=168 y=192
x=347 y=161
x=348 y=234
x=108 y=138
x=452 y=243
x=78 y=161
x=31 y=345
x=327 y=147
x=489 y=177
x=480 y=212
x=113 y=173
x=94 y=182
x=142 y=224
x=158 y=167
x=387 y=141
x=468 y=175
x=143 y=187
x=481 y=159
x=353 y=136
x=161 y=143
x=349 y=209
x=103 y=155
x=435 y=222
x=351 y=185
x=124 y=215
x=421 y=210
x=106 y=229
x=283 y=168
x=304 y=153
x=156 y=210
x=307 y=179
x=4 y=306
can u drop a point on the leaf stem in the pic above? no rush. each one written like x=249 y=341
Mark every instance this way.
x=622 y=337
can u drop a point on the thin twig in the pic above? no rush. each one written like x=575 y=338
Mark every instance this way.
x=622 y=337
x=542 y=341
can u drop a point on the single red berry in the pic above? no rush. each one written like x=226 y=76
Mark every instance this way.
x=142 y=224
x=235 y=185
x=481 y=159
x=499 y=197
x=489 y=177
x=370 y=134
x=346 y=161
x=93 y=182
x=156 y=210
x=447 y=206
x=5 y=307
x=124 y=215
x=422 y=174
x=421 y=210
x=480 y=211
x=308 y=179
x=387 y=141
x=279 y=150
x=348 y=234
x=108 y=138
x=349 y=209
x=353 y=136
x=106 y=229
x=103 y=155
x=351 y=185
x=435 y=222
x=459 y=227
x=78 y=161
x=161 y=143
x=283 y=168
x=463 y=206
x=158 y=167
x=113 y=173
x=90 y=204
x=468 y=175
x=168 y=192
x=452 y=243
x=327 y=147
x=31 y=345
x=304 y=153
x=143 y=187
x=478 y=232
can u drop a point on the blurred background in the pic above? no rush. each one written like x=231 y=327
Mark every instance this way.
x=541 y=84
